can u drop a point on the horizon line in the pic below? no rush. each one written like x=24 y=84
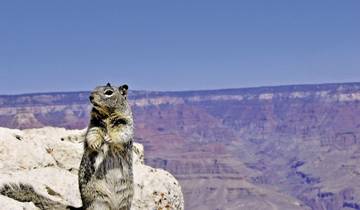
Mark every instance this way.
x=194 y=90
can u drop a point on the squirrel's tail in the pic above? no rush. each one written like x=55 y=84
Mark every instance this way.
x=26 y=193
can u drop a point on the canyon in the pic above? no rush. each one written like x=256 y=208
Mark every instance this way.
x=284 y=147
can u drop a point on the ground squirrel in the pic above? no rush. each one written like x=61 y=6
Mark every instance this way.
x=105 y=175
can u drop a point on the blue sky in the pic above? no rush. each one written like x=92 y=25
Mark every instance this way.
x=176 y=45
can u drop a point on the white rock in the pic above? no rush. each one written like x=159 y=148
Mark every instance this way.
x=163 y=193
x=49 y=158
x=8 y=203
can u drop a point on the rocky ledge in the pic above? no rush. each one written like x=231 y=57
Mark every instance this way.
x=49 y=158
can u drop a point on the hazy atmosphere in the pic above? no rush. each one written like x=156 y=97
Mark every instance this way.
x=176 y=45
x=255 y=139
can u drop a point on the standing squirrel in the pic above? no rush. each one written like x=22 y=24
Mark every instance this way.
x=105 y=174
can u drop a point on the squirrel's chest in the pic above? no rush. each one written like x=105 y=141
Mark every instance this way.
x=100 y=157
x=109 y=164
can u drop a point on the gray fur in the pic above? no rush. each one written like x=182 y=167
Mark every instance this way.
x=106 y=175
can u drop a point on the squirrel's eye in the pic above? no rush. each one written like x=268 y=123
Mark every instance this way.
x=109 y=92
x=119 y=122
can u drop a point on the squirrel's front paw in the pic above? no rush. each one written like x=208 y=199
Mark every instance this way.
x=95 y=143
x=107 y=139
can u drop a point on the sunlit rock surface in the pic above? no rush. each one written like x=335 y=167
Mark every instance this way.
x=48 y=159
x=249 y=148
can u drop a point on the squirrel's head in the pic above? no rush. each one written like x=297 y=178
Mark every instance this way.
x=109 y=98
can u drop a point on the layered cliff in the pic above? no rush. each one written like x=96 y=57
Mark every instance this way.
x=282 y=147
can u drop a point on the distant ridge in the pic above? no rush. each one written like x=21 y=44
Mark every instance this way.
x=230 y=147
x=255 y=89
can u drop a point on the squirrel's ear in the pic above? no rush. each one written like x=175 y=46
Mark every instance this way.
x=124 y=89
x=108 y=84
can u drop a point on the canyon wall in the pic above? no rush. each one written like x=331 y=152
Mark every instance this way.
x=287 y=147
